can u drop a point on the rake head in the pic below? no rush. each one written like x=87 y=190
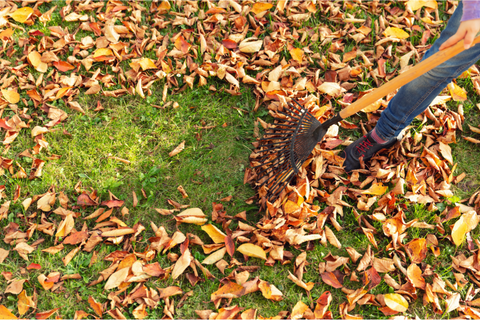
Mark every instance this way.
x=285 y=147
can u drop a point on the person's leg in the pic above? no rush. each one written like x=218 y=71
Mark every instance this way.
x=414 y=97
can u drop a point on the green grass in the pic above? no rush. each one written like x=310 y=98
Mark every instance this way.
x=210 y=168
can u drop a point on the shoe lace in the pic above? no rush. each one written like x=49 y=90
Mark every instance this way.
x=364 y=146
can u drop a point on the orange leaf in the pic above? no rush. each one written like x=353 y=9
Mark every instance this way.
x=63 y=66
x=414 y=273
x=45 y=314
x=5 y=313
x=7 y=33
x=228 y=291
x=62 y=92
x=297 y=54
x=182 y=45
x=97 y=307
x=259 y=7
x=417 y=250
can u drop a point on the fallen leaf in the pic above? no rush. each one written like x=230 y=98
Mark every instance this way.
x=215 y=234
x=178 y=149
x=396 y=302
x=21 y=15
x=252 y=250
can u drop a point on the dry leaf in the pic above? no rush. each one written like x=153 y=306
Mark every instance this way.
x=252 y=250
x=396 y=302
x=178 y=149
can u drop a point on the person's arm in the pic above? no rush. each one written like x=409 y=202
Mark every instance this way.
x=469 y=27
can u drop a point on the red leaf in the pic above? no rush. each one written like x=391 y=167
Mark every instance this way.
x=229 y=44
x=34 y=266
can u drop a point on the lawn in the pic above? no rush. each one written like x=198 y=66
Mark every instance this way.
x=95 y=99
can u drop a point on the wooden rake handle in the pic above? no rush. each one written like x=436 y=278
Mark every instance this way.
x=404 y=78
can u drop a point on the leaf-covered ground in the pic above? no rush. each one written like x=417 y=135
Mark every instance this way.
x=127 y=190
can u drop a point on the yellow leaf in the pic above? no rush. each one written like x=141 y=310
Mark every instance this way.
x=467 y=222
x=298 y=311
x=417 y=4
x=24 y=303
x=396 y=302
x=457 y=93
x=259 y=7
x=102 y=52
x=252 y=250
x=21 y=15
x=216 y=234
x=297 y=54
x=377 y=189
x=147 y=63
x=395 y=32
x=11 y=96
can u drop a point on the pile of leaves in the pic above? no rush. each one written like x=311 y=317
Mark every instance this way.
x=264 y=45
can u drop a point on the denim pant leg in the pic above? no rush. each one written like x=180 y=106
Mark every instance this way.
x=414 y=97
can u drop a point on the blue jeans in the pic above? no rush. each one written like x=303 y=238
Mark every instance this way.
x=414 y=97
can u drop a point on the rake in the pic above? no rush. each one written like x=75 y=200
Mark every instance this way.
x=285 y=147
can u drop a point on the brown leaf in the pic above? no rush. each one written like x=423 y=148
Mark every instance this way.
x=230 y=245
